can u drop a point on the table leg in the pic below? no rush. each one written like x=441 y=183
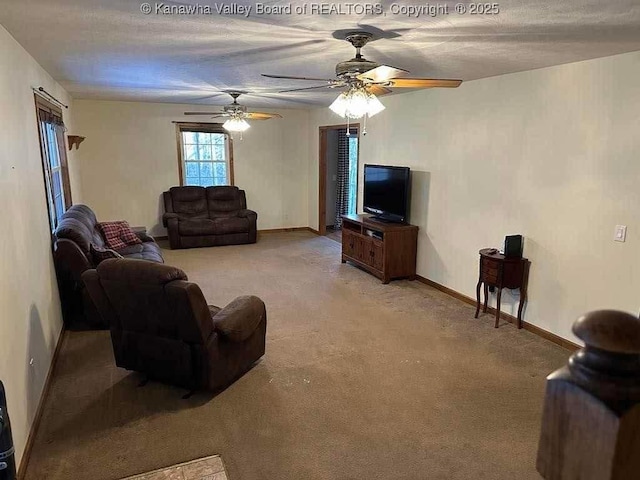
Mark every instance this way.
x=486 y=297
x=478 y=298
x=498 y=307
x=523 y=292
x=523 y=298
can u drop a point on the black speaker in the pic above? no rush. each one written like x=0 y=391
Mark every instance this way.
x=513 y=246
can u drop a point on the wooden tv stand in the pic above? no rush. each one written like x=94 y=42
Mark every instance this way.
x=386 y=250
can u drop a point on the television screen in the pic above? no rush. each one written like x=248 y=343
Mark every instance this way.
x=386 y=192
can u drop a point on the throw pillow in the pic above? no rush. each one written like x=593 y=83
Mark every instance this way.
x=99 y=254
x=118 y=235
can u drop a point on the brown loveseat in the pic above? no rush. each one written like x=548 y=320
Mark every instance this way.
x=75 y=232
x=162 y=326
x=206 y=217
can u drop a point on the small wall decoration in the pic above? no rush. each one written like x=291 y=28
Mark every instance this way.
x=74 y=140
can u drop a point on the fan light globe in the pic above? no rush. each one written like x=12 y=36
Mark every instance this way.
x=375 y=105
x=236 y=125
x=339 y=105
x=356 y=103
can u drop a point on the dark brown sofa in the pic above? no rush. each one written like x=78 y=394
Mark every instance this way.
x=75 y=232
x=206 y=217
x=162 y=326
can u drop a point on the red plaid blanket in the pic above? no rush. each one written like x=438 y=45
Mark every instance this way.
x=118 y=235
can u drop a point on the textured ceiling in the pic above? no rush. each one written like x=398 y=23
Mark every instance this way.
x=109 y=49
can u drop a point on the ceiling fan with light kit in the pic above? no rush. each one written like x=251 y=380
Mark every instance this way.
x=364 y=81
x=237 y=115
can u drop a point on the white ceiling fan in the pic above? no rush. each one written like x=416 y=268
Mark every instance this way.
x=365 y=80
x=236 y=114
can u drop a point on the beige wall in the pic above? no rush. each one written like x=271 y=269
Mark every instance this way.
x=30 y=318
x=551 y=154
x=129 y=158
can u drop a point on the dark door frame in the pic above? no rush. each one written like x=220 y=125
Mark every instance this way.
x=322 y=171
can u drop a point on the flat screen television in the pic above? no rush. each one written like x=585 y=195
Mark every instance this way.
x=387 y=192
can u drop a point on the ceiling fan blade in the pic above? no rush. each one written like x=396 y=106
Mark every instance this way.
x=204 y=55
x=424 y=83
x=261 y=116
x=308 y=88
x=203 y=113
x=378 y=90
x=298 y=78
x=382 y=73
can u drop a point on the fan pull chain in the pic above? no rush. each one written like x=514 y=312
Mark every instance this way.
x=348 y=125
x=364 y=123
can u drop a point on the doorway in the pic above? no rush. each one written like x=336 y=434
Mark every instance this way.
x=338 y=177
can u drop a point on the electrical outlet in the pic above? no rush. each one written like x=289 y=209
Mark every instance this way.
x=620 y=234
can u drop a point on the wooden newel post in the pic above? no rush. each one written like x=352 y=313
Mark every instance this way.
x=591 y=418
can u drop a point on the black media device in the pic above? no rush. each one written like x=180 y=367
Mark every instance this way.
x=513 y=246
x=387 y=192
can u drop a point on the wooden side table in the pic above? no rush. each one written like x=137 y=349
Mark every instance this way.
x=500 y=272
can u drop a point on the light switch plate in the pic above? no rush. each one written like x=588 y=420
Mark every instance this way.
x=620 y=234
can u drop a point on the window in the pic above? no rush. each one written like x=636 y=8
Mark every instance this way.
x=205 y=154
x=54 y=160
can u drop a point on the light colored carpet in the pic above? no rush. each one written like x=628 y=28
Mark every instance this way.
x=360 y=381
x=208 y=468
x=334 y=234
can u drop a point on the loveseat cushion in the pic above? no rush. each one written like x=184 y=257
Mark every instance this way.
x=196 y=227
x=226 y=225
x=189 y=202
x=99 y=254
x=147 y=251
x=224 y=201
x=131 y=249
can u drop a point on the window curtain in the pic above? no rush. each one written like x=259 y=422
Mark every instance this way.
x=52 y=118
x=342 y=180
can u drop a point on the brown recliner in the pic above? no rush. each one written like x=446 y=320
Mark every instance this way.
x=162 y=326
x=206 y=217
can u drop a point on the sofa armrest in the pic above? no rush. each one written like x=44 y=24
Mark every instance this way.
x=247 y=213
x=69 y=257
x=172 y=230
x=238 y=320
x=253 y=223
x=144 y=237
x=141 y=233
x=168 y=216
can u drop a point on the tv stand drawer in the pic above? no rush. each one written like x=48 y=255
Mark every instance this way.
x=353 y=245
